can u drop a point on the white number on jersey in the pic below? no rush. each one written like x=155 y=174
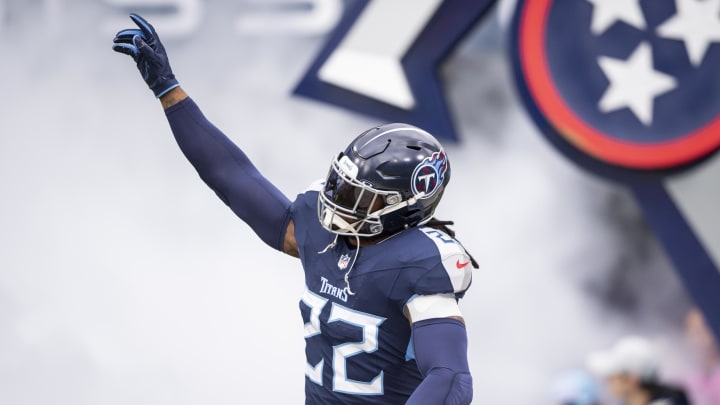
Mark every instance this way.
x=369 y=324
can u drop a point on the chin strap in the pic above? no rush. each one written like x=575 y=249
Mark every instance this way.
x=330 y=245
x=347 y=274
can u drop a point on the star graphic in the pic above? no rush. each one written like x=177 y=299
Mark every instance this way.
x=607 y=12
x=634 y=83
x=697 y=23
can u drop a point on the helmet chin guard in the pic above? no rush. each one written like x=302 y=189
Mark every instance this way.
x=389 y=179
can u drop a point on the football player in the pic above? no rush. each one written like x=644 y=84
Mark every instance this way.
x=383 y=277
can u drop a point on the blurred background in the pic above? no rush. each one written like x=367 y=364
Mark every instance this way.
x=123 y=279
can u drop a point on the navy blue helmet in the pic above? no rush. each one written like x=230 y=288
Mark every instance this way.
x=389 y=178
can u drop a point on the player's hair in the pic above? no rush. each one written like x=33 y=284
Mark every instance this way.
x=444 y=227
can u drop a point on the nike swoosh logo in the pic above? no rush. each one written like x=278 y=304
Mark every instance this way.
x=461 y=265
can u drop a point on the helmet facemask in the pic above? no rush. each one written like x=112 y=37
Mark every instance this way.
x=349 y=206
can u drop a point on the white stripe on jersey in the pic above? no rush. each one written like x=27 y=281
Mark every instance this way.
x=454 y=259
x=422 y=307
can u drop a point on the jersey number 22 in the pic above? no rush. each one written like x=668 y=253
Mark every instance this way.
x=369 y=324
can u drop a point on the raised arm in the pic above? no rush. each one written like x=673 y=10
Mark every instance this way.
x=229 y=172
x=218 y=161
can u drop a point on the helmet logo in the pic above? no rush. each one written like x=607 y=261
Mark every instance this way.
x=429 y=174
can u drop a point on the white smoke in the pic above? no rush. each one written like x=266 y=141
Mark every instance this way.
x=123 y=279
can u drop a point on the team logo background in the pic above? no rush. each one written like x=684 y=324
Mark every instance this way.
x=632 y=91
x=429 y=174
x=572 y=60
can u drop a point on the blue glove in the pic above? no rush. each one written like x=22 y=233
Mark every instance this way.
x=148 y=52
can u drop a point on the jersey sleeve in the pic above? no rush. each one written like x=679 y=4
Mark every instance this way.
x=450 y=271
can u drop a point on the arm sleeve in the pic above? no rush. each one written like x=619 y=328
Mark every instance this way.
x=440 y=347
x=229 y=173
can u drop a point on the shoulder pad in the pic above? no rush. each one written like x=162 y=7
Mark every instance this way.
x=316 y=185
x=455 y=262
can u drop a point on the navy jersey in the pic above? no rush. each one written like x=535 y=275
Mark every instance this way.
x=358 y=346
